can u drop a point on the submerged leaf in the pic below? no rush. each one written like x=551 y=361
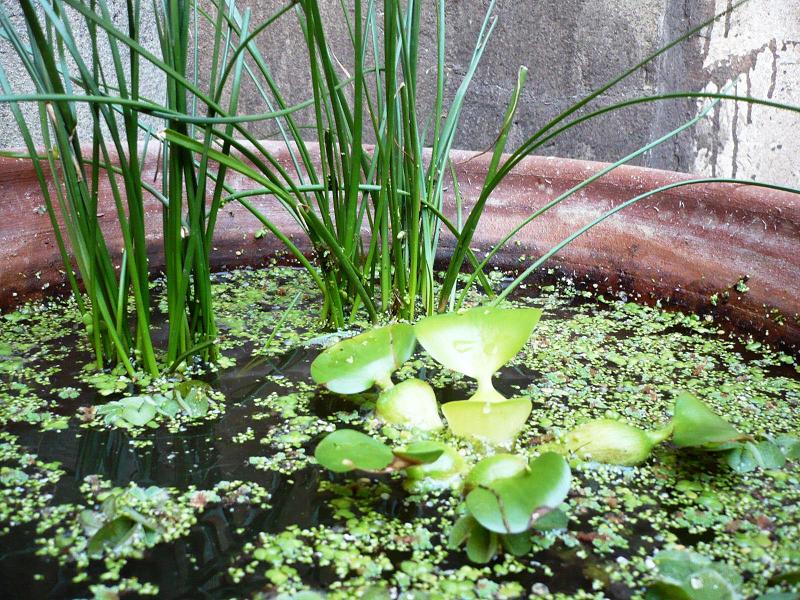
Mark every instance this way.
x=346 y=450
x=356 y=364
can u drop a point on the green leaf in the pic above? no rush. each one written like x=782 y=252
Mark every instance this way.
x=496 y=423
x=789 y=445
x=460 y=531
x=420 y=453
x=410 y=403
x=356 y=364
x=137 y=410
x=512 y=504
x=110 y=536
x=478 y=341
x=690 y=576
x=346 y=450
x=517 y=544
x=497 y=466
x=442 y=472
x=612 y=442
x=747 y=456
x=697 y=426
x=555 y=519
x=481 y=545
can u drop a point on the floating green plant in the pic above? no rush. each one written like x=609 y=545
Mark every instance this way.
x=614 y=442
x=683 y=575
x=347 y=450
x=189 y=399
x=477 y=342
x=356 y=364
x=506 y=497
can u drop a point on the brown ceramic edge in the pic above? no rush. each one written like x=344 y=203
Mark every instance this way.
x=685 y=245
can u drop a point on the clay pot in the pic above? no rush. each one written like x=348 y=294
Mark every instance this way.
x=684 y=245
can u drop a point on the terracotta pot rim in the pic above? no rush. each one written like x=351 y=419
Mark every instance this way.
x=686 y=244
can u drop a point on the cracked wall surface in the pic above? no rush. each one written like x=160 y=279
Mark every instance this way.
x=756 y=53
x=571 y=47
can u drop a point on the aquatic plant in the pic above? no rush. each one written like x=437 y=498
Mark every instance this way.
x=614 y=442
x=477 y=342
x=694 y=425
x=188 y=399
x=356 y=364
x=685 y=575
x=505 y=497
x=349 y=450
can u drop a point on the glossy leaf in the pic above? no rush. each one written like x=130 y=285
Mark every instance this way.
x=496 y=423
x=477 y=342
x=613 y=442
x=445 y=471
x=420 y=453
x=410 y=403
x=497 y=466
x=347 y=450
x=356 y=364
x=510 y=505
x=690 y=576
x=697 y=426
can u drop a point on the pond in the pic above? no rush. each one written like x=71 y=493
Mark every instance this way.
x=221 y=496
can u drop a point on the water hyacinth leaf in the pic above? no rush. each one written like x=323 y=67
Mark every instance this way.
x=347 y=450
x=517 y=544
x=137 y=410
x=747 y=456
x=555 y=519
x=460 y=531
x=194 y=401
x=613 y=442
x=410 y=403
x=691 y=576
x=497 y=466
x=697 y=426
x=481 y=544
x=478 y=341
x=445 y=471
x=356 y=364
x=496 y=423
x=420 y=453
x=512 y=504
x=789 y=445
x=110 y=536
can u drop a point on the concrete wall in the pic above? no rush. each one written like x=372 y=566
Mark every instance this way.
x=573 y=46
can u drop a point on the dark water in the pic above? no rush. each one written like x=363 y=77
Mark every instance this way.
x=196 y=566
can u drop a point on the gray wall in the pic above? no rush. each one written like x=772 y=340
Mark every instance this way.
x=571 y=47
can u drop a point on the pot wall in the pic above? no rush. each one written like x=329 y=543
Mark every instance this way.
x=683 y=245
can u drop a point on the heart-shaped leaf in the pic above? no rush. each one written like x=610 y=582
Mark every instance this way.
x=347 y=450
x=512 y=504
x=497 y=423
x=696 y=425
x=478 y=341
x=356 y=364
